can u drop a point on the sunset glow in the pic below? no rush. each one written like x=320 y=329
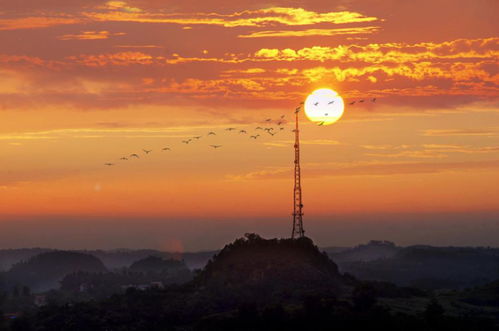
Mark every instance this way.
x=89 y=83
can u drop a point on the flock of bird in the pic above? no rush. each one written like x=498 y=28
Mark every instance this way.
x=270 y=130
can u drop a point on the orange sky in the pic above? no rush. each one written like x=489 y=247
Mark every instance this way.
x=83 y=83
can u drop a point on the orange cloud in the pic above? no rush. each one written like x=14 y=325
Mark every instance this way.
x=311 y=32
x=90 y=35
x=370 y=168
x=460 y=132
x=116 y=59
x=485 y=48
x=36 y=22
x=258 y=18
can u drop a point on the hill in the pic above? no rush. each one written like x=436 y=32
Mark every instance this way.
x=44 y=271
x=425 y=266
x=256 y=268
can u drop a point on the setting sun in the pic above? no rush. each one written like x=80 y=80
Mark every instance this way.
x=324 y=106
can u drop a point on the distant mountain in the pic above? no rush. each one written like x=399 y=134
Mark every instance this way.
x=374 y=250
x=9 y=257
x=423 y=266
x=44 y=271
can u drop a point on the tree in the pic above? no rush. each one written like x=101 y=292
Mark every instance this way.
x=26 y=291
x=364 y=297
x=434 y=312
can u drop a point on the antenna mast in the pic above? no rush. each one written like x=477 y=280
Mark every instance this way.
x=298 y=231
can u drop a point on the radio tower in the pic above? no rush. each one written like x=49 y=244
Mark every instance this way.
x=298 y=231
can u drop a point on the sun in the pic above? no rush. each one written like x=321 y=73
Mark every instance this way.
x=324 y=106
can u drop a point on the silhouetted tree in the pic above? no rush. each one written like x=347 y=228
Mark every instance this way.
x=434 y=312
x=364 y=297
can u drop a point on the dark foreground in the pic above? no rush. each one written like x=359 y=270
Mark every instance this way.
x=258 y=284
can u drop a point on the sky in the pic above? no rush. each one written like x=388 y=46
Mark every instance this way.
x=84 y=83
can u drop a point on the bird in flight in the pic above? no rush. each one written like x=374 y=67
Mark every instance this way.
x=373 y=100
x=197 y=137
x=279 y=123
x=280 y=129
x=166 y=149
x=230 y=129
x=243 y=131
x=216 y=146
x=185 y=141
x=123 y=158
x=320 y=124
x=316 y=104
x=211 y=133
x=147 y=151
x=353 y=102
x=258 y=128
x=330 y=102
x=282 y=116
x=109 y=164
x=135 y=155
x=361 y=100
x=297 y=110
x=255 y=136
x=271 y=133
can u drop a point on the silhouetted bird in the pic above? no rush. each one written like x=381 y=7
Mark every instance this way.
x=216 y=146
x=297 y=110
x=211 y=133
x=123 y=158
x=135 y=155
x=330 y=102
x=258 y=128
x=361 y=100
x=268 y=120
x=280 y=129
x=255 y=136
x=197 y=137
x=109 y=164
x=282 y=116
x=147 y=151
x=271 y=133
x=243 y=131
x=166 y=149
x=373 y=100
x=321 y=123
x=316 y=104
x=230 y=129
x=279 y=123
x=185 y=141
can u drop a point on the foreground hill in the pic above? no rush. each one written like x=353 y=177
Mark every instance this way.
x=44 y=271
x=271 y=268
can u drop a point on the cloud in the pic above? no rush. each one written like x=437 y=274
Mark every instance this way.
x=90 y=35
x=37 y=22
x=374 y=168
x=460 y=132
x=310 y=32
x=249 y=18
x=286 y=143
x=458 y=49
